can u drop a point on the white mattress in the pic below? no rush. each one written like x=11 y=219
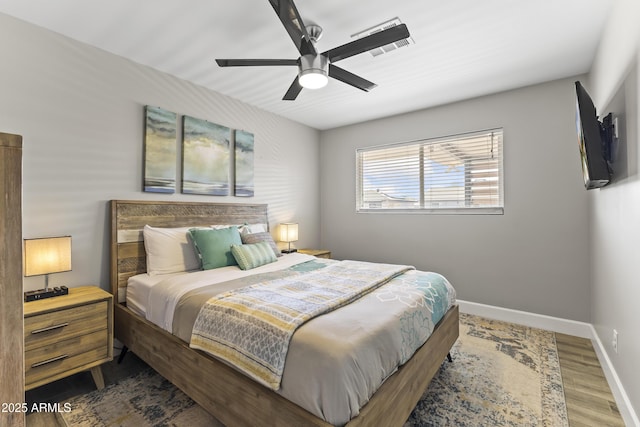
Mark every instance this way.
x=155 y=297
x=138 y=288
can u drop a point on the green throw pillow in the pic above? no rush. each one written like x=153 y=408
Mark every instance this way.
x=214 y=246
x=253 y=255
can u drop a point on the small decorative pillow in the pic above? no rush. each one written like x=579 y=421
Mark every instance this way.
x=253 y=255
x=243 y=228
x=169 y=250
x=214 y=246
x=261 y=237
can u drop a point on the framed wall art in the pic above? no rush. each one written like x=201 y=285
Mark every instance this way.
x=205 y=157
x=160 y=150
x=243 y=164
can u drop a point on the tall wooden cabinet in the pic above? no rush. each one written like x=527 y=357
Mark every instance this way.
x=11 y=310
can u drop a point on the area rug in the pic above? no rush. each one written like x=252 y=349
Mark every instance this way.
x=146 y=399
x=502 y=375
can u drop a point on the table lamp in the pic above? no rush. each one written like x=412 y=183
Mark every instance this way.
x=289 y=233
x=44 y=256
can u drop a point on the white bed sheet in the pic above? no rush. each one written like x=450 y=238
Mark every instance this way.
x=156 y=297
x=138 y=288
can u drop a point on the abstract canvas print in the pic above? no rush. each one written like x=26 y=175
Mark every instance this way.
x=160 y=150
x=205 y=157
x=244 y=164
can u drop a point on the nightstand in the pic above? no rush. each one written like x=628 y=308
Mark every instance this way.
x=67 y=334
x=320 y=253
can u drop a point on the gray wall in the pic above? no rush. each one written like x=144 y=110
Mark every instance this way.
x=81 y=113
x=615 y=210
x=532 y=258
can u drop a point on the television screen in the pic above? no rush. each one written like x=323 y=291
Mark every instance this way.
x=593 y=141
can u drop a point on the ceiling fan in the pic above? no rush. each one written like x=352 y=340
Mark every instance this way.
x=314 y=68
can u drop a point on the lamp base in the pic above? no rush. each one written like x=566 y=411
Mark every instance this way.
x=39 y=294
x=288 y=251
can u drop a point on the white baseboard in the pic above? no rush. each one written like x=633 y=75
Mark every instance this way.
x=622 y=399
x=563 y=326
x=555 y=324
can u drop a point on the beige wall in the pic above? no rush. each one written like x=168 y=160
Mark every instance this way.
x=81 y=113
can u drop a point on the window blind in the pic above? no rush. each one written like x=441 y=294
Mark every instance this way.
x=457 y=174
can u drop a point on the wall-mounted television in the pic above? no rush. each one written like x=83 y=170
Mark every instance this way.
x=595 y=140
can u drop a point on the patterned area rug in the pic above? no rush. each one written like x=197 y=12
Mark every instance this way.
x=144 y=400
x=502 y=375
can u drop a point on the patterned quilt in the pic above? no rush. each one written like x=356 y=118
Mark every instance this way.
x=251 y=327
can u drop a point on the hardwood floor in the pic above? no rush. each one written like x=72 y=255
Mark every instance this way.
x=588 y=396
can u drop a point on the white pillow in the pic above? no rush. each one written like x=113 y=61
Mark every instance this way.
x=169 y=250
x=253 y=228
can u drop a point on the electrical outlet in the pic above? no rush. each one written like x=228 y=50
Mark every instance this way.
x=614 y=341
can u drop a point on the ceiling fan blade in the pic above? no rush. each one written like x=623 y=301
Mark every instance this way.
x=367 y=43
x=288 y=14
x=255 y=62
x=350 y=78
x=293 y=92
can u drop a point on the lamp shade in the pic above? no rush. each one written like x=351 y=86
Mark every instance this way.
x=47 y=255
x=289 y=232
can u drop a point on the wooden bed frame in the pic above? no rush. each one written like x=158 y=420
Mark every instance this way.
x=233 y=398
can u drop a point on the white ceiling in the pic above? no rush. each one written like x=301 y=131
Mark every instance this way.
x=463 y=48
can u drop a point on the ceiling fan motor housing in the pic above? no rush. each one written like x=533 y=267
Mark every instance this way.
x=313 y=71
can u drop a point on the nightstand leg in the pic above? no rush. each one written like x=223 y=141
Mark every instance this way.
x=96 y=373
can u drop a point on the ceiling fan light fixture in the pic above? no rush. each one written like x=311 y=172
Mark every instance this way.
x=312 y=79
x=313 y=71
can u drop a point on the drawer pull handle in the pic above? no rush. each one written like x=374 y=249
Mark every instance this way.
x=49 y=328
x=53 y=359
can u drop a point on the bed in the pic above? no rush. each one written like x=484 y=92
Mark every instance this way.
x=233 y=397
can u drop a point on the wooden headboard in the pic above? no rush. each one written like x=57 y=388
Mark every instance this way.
x=128 y=218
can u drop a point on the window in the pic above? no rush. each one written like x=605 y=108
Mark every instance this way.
x=455 y=174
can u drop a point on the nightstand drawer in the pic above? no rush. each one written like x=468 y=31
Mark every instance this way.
x=64 y=356
x=68 y=334
x=47 y=328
